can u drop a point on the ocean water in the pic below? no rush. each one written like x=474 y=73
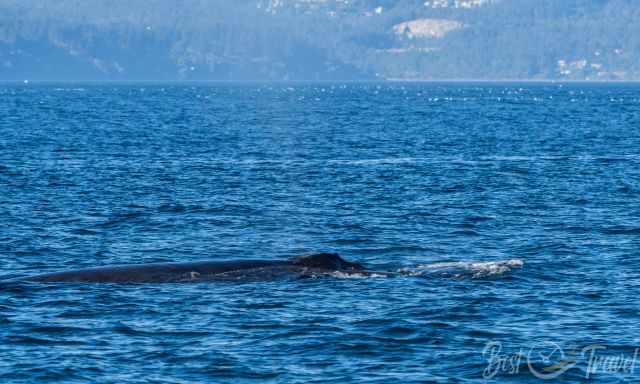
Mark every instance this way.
x=513 y=208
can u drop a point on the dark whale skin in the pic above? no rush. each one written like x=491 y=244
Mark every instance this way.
x=200 y=271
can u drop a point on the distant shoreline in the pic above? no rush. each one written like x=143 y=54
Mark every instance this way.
x=29 y=82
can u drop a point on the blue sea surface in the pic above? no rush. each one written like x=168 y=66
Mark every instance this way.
x=529 y=193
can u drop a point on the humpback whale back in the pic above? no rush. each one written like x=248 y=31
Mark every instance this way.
x=250 y=270
x=328 y=261
x=199 y=271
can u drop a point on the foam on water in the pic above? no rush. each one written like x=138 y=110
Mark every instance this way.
x=356 y=275
x=462 y=269
x=455 y=269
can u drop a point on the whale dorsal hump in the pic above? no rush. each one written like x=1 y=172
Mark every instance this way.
x=331 y=261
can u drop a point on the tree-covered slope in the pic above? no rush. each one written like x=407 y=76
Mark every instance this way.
x=319 y=39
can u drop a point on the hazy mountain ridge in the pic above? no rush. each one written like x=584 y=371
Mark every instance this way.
x=319 y=39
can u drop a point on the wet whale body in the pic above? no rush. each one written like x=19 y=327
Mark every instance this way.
x=303 y=266
x=315 y=265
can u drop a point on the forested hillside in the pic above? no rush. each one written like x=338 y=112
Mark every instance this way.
x=319 y=39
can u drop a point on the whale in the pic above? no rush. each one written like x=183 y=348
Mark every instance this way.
x=202 y=271
x=306 y=266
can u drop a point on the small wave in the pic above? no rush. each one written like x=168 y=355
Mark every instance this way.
x=119 y=219
x=388 y=160
x=348 y=241
x=466 y=232
x=621 y=230
x=462 y=269
x=135 y=331
x=84 y=232
x=69 y=89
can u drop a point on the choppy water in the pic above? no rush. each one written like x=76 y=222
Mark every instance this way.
x=517 y=205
